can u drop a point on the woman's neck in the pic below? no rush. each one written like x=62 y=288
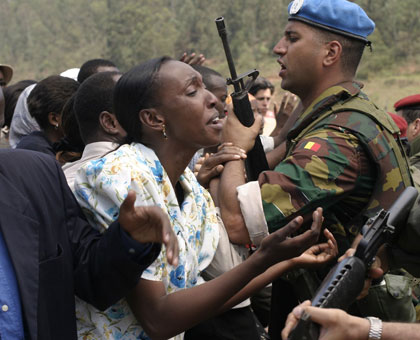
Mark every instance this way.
x=174 y=158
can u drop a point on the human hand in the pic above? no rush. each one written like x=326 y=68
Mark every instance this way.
x=211 y=166
x=375 y=272
x=280 y=246
x=239 y=135
x=148 y=224
x=335 y=323
x=284 y=110
x=199 y=164
x=318 y=254
x=193 y=58
x=287 y=105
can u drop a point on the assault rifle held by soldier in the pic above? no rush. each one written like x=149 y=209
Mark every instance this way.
x=256 y=161
x=345 y=281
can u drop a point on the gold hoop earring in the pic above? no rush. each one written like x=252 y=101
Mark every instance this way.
x=164 y=131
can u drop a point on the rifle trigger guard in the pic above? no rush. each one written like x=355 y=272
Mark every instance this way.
x=250 y=74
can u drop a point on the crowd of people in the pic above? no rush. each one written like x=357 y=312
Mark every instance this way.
x=127 y=211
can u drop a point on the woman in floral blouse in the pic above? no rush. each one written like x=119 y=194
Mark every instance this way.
x=169 y=115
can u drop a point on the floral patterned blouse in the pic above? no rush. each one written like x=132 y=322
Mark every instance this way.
x=100 y=188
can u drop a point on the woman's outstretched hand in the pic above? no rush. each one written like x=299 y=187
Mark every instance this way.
x=280 y=245
x=148 y=224
x=318 y=254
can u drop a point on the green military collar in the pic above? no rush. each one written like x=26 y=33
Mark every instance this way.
x=337 y=99
x=338 y=93
x=415 y=146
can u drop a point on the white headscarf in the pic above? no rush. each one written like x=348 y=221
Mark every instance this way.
x=22 y=122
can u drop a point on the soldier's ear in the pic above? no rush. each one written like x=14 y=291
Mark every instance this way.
x=416 y=126
x=333 y=51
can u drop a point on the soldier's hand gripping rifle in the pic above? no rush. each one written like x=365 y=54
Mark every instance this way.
x=256 y=161
x=345 y=281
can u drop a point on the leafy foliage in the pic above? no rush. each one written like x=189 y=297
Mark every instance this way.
x=43 y=37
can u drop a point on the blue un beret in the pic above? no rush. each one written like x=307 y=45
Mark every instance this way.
x=338 y=16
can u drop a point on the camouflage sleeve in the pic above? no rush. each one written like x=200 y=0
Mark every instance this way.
x=324 y=167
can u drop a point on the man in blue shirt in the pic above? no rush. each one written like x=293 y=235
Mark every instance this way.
x=11 y=326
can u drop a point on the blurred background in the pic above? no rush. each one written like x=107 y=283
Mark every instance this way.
x=43 y=37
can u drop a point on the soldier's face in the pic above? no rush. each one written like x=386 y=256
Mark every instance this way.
x=300 y=58
x=413 y=130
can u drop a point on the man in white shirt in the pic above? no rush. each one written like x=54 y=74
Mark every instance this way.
x=99 y=128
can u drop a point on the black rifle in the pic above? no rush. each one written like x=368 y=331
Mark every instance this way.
x=256 y=161
x=345 y=281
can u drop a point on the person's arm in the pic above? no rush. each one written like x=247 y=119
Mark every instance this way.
x=279 y=134
x=148 y=225
x=233 y=175
x=160 y=313
x=286 y=114
x=324 y=167
x=212 y=165
x=335 y=323
x=107 y=266
x=396 y=331
x=314 y=257
x=275 y=156
x=338 y=325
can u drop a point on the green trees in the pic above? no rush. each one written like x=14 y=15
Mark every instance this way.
x=42 y=37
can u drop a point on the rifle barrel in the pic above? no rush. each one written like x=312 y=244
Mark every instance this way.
x=221 y=28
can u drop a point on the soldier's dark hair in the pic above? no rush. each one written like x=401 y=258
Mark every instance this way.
x=352 y=49
x=207 y=74
x=137 y=90
x=410 y=115
x=261 y=84
x=94 y=96
x=50 y=95
x=11 y=95
x=91 y=67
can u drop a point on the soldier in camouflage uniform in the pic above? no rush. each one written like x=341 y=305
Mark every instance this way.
x=409 y=109
x=341 y=153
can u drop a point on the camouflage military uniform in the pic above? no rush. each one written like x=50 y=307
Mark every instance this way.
x=343 y=162
x=342 y=159
x=410 y=237
x=415 y=153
